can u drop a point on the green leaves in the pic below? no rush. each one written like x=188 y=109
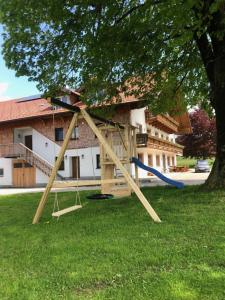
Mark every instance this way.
x=100 y=46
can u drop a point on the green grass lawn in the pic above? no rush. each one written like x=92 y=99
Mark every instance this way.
x=191 y=162
x=111 y=249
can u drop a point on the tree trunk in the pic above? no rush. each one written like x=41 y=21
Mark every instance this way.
x=216 y=178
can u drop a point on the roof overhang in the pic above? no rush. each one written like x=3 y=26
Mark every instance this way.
x=184 y=123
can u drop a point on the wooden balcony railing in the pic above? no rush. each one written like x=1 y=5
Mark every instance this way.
x=22 y=152
x=163 y=122
x=160 y=144
x=144 y=140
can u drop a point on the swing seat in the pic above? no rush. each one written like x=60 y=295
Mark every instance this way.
x=66 y=210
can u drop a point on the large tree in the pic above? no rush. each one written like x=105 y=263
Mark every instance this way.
x=169 y=45
x=201 y=143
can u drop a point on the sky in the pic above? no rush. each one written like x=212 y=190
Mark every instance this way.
x=12 y=87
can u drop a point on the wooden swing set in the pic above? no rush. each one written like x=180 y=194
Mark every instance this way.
x=117 y=146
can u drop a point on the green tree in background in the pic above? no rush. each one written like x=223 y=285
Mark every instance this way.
x=157 y=46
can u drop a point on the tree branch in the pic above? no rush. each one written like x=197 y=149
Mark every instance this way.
x=202 y=41
x=129 y=12
x=207 y=55
x=181 y=82
x=132 y=9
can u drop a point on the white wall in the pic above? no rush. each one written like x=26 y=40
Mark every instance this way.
x=6 y=164
x=166 y=136
x=141 y=173
x=138 y=117
x=20 y=133
x=87 y=162
x=45 y=147
x=41 y=178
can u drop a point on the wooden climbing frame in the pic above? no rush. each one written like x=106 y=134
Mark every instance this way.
x=111 y=154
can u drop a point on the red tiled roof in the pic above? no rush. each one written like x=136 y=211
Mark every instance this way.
x=13 y=110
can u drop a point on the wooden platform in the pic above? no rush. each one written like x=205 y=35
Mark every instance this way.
x=66 y=210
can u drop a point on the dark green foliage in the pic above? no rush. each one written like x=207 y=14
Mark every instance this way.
x=101 y=45
x=112 y=250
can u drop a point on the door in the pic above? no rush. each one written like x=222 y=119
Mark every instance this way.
x=75 y=166
x=29 y=141
x=23 y=174
x=18 y=173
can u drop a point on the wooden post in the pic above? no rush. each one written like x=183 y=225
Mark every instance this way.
x=107 y=171
x=135 y=155
x=55 y=170
x=117 y=162
x=127 y=151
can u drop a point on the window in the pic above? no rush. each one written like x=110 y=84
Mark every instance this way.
x=62 y=166
x=75 y=133
x=18 y=165
x=27 y=165
x=157 y=160
x=150 y=161
x=141 y=157
x=58 y=134
x=98 y=162
x=156 y=133
x=1 y=172
x=162 y=136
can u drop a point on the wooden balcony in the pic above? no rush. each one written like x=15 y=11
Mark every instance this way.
x=143 y=140
x=160 y=144
x=163 y=122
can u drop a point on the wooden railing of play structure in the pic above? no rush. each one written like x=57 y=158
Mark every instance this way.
x=21 y=151
x=142 y=139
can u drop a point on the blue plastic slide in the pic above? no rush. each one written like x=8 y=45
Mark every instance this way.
x=138 y=163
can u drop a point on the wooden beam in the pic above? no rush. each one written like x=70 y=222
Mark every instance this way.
x=62 y=184
x=117 y=162
x=123 y=161
x=76 y=109
x=44 y=197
